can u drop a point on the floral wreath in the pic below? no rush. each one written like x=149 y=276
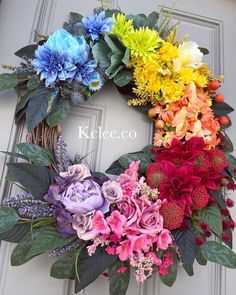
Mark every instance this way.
x=166 y=201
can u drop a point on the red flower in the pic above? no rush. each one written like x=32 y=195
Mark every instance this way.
x=173 y=215
x=200 y=198
x=218 y=160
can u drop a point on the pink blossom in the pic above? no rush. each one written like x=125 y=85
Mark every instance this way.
x=156 y=260
x=125 y=250
x=130 y=176
x=130 y=209
x=111 y=250
x=100 y=225
x=116 y=221
x=122 y=269
x=163 y=239
x=141 y=243
x=78 y=171
x=163 y=270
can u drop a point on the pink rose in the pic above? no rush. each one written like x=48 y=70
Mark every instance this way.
x=79 y=171
x=164 y=239
x=112 y=191
x=130 y=209
x=130 y=176
x=83 y=225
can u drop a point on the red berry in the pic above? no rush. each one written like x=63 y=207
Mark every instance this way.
x=223 y=121
x=225 y=212
x=225 y=237
x=200 y=198
x=219 y=97
x=204 y=226
x=184 y=225
x=225 y=225
x=213 y=85
x=199 y=240
x=207 y=233
x=229 y=203
x=173 y=215
x=231 y=224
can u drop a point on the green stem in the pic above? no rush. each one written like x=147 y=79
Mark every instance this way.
x=76 y=262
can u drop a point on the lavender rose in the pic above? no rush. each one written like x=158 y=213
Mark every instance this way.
x=83 y=197
x=78 y=172
x=112 y=191
x=83 y=225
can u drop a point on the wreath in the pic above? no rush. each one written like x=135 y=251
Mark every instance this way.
x=165 y=201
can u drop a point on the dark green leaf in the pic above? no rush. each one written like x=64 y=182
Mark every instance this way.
x=16 y=233
x=126 y=57
x=33 y=83
x=116 y=65
x=188 y=270
x=123 y=78
x=205 y=51
x=232 y=165
x=90 y=267
x=8 y=218
x=61 y=111
x=139 y=20
x=46 y=240
x=40 y=105
x=35 y=153
x=76 y=17
x=229 y=148
x=118 y=282
x=126 y=160
x=219 y=197
x=152 y=19
x=8 y=81
x=110 y=12
x=212 y=216
x=169 y=279
x=185 y=240
x=20 y=252
x=200 y=259
x=27 y=52
x=22 y=102
x=115 y=44
x=221 y=109
x=64 y=268
x=216 y=252
x=16 y=155
x=101 y=53
x=115 y=168
x=36 y=179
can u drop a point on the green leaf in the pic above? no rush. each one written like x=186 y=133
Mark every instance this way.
x=221 y=109
x=232 y=165
x=61 y=111
x=16 y=155
x=169 y=279
x=8 y=81
x=36 y=179
x=101 y=53
x=139 y=20
x=126 y=160
x=205 y=51
x=40 y=105
x=152 y=19
x=27 y=52
x=90 y=267
x=76 y=17
x=22 y=102
x=185 y=240
x=116 y=65
x=126 y=57
x=123 y=78
x=200 y=259
x=33 y=83
x=216 y=252
x=118 y=282
x=8 y=218
x=212 y=216
x=229 y=148
x=115 y=168
x=35 y=153
x=115 y=44
x=20 y=252
x=46 y=240
x=16 y=233
x=64 y=268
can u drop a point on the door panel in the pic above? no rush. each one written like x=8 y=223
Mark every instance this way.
x=208 y=22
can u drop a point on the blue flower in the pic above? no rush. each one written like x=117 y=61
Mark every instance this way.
x=95 y=82
x=55 y=58
x=97 y=25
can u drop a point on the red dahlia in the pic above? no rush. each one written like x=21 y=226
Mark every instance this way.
x=155 y=176
x=200 y=198
x=218 y=160
x=173 y=215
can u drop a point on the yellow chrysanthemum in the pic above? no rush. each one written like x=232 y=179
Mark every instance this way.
x=167 y=52
x=171 y=90
x=122 y=27
x=142 y=42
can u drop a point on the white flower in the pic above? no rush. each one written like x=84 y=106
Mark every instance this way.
x=190 y=56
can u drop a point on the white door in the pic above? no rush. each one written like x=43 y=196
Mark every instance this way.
x=209 y=22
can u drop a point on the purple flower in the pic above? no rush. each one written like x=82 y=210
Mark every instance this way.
x=83 y=225
x=78 y=172
x=83 y=197
x=64 y=221
x=97 y=25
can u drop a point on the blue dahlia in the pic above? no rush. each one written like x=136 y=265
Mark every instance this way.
x=97 y=25
x=55 y=58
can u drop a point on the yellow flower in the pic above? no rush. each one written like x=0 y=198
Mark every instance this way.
x=171 y=90
x=122 y=26
x=142 y=42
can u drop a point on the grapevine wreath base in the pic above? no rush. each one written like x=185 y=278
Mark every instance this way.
x=163 y=204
